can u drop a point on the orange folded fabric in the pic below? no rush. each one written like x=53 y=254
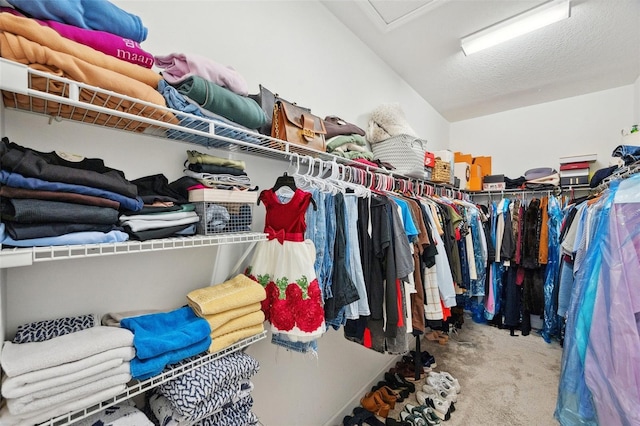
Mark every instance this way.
x=45 y=36
x=24 y=51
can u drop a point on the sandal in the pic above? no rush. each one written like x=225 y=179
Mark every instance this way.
x=398 y=381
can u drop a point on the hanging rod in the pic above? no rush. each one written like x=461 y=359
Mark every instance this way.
x=621 y=173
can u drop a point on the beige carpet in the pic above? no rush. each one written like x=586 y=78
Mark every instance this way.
x=505 y=380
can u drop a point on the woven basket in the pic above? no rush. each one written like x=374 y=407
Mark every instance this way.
x=441 y=171
x=404 y=152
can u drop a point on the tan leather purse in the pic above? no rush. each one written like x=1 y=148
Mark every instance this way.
x=297 y=125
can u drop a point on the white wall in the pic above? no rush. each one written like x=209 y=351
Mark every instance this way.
x=538 y=135
x=295 y=48
x=636 y=110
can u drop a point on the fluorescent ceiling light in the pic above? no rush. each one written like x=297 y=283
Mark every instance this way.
x=518 y=25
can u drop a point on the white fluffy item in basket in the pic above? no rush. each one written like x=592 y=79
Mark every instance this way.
x=388 y=120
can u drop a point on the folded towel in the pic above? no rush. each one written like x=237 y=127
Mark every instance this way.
x=122 y=414
x=216 y=320
x=144 y=369
x=249 y=320
x=234 y=293
x=8 y=419
x=22 y=358
x=144 y=225
x=187 y=391
x=53 y=389
x=25 y=405
x=156 y=334
x=117 y=415
x=229 y=339
x=39 y=331
x=112 y=319
x=35 y=381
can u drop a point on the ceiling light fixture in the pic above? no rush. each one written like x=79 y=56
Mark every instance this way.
x=526 y=22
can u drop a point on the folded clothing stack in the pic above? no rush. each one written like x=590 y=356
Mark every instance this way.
x=165 y=338
x=353 y=147
x=45 y=379
x=217 y=393
x=232 y=310
x=179 y=220
x=218 y=89
x=216 y=172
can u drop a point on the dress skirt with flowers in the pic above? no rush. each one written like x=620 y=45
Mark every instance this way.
x=284 y=266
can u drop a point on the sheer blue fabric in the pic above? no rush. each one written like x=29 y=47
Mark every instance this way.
x=550 y=327
x=575 y=404
x=612 y=353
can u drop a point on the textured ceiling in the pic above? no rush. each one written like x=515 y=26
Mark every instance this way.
x=597 y=48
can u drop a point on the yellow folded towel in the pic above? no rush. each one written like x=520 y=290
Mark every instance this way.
x=239 y=323
x=234 y=293
x=217 y=320
x=226 y=340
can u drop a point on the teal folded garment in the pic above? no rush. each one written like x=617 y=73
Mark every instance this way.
x=239 y=109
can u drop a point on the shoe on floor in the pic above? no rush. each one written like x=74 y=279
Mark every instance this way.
x=449 y=378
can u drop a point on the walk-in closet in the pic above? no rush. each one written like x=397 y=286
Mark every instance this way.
x=318 y=213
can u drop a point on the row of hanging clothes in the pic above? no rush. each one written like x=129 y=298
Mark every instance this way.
x=599 y=298
x=391 y=256
x=522 y=272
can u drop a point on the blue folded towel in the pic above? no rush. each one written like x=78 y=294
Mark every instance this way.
x=143 y=369
x=159 y=333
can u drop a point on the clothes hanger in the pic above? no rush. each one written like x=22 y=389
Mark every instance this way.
x=287 y=181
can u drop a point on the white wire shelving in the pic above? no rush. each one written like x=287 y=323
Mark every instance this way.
x=138 y=387
x=13 y=257
x=59 y=98
x=42 y=93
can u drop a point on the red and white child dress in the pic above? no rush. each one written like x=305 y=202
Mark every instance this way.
x=284 y=266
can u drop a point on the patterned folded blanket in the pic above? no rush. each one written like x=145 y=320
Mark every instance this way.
x=122 y=414
x=238 y=414
x=40 y=331
x=188 y=391
x=234 y=293
x=164 y=409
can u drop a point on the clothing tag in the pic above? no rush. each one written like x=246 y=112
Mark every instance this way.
x=74 y=158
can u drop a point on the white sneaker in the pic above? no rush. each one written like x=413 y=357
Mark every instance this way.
x=449 y=378
x=439 y=391
x=439 y=405
x=437 y=381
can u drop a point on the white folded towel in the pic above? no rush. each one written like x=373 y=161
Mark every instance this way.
x=30 y=419
x=123 y=368
x=26 y=405
x=144 y=225
x=18 y=359
x=34 y=381
x=157 y=216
